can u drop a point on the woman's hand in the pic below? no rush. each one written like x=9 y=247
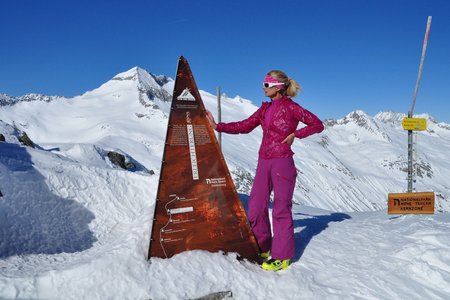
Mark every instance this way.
x=210 y=118
x=289 y=139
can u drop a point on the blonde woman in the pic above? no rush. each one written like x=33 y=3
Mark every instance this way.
x=276 y=170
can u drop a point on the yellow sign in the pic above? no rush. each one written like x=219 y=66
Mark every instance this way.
x=411 y=203
x=414 y=124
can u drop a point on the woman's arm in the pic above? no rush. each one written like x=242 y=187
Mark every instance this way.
x=244 y=126
x=313 y=123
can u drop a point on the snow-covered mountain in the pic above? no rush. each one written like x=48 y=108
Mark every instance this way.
x=8 y=100
x=71 y=220
x=351 y=166
x=367 y=158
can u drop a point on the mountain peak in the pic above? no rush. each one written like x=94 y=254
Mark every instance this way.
x=132 y=74
x=396 y=118
x=145 y=79
x=359 y=117
x=357 y=114
x=390 y=117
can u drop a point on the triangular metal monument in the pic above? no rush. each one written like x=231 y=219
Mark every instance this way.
x=197 y=206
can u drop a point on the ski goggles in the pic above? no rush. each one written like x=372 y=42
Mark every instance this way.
x=271 y=84
x=270 y=81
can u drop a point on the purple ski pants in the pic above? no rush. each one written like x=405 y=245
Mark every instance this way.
x=277 y=174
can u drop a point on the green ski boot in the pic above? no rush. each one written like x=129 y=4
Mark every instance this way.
x=275 y=264
x=265 y=255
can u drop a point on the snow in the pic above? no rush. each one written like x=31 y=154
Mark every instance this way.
x=74 y=226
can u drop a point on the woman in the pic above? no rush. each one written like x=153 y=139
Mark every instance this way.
x=276 y=170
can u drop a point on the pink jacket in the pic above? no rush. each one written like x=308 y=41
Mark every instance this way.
x=284 y=122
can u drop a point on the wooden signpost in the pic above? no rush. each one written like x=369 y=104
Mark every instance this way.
x=411 y=203
x=197 y=206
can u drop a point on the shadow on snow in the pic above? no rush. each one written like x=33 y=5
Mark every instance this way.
x=312 y=226
x=33 y=220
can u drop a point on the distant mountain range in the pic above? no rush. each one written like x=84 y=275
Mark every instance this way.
x=350 y=166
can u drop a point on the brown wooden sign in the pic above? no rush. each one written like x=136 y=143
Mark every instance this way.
x=411 y=203
x=197 y=206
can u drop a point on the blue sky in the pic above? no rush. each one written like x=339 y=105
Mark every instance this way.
x=347 y=55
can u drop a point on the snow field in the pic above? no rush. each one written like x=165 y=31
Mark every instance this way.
x=73 y=226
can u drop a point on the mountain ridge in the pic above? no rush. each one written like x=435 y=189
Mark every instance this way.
x=352 y=165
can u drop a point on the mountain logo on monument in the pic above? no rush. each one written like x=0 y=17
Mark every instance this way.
x=186 y=95
x=197 y=206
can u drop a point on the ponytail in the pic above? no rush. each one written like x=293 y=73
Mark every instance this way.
x=293 y=88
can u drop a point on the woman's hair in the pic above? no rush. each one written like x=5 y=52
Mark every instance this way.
x=292 y=87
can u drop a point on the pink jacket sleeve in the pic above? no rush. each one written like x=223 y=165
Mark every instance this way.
x=244 y=126
x=313 y=123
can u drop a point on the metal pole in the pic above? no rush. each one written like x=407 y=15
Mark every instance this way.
x=410 y=160
x=411 y=112
x=219 y=116
x=424 y=49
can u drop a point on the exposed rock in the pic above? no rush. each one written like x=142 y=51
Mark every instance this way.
x=25 y=140
x=324 y=141
x=423 y=168
x=243 y=180
x=2 y=138
x=217 y=296
x=6 y=100
x=121 y=161
x=130 y=165
x=330 y=122
x=117 y=159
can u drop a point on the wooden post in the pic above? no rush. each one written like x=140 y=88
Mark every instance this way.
x=219 y=116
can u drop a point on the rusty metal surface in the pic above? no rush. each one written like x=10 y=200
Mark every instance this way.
x=197 y=206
